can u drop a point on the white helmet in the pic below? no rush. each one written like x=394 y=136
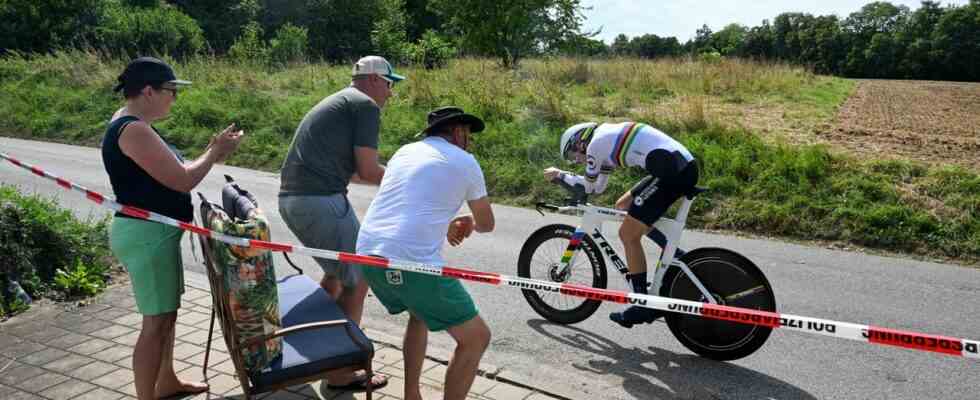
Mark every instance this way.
x=572 y=136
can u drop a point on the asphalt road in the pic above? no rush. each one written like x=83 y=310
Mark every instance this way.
x=599 y=360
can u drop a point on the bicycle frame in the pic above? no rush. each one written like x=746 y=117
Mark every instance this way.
x=594 y=216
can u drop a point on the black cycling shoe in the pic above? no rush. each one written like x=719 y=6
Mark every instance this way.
x=635 y=315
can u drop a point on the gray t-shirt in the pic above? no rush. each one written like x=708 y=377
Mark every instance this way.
x=321 y=158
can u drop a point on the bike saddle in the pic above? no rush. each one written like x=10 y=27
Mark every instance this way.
x=694 y=191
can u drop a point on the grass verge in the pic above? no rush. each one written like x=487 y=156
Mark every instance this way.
x=734 y=115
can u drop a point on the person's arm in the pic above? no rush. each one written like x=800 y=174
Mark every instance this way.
x=482 y=214
x=477 y=198
x=595 y=184
x=368 y=168
x=367 y=129
x=479 y=219
x=141 y=144
x=596 y=176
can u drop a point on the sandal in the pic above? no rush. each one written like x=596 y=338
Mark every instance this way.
x=360 y=383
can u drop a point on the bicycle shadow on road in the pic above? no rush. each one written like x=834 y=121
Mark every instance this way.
x=680 y=376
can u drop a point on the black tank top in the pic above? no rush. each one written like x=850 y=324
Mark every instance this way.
x=135 y=187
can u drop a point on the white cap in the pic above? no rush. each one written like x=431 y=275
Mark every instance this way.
x=375 y=65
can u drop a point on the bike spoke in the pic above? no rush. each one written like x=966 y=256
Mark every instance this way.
x=550 y=253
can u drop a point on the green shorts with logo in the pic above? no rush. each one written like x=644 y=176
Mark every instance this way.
x=439 y=301
x=150 y=251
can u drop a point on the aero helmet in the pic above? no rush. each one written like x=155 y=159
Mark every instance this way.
x=572 y=136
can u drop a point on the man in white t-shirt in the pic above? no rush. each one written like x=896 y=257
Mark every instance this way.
x=425 y=185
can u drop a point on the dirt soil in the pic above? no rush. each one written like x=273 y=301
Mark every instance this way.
x=933 y=122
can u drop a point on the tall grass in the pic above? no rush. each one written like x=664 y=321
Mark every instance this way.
x=758 y=184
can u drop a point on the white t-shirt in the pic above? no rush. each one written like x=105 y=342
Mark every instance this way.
x=424 y=186
x=621 y=145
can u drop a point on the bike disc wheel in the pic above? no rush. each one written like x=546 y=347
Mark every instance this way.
x=734 y=281
x=539 y=259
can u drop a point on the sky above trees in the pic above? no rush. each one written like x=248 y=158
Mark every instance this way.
x=682 y=18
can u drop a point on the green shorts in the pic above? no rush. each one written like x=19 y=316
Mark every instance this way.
x=150 y=252
x=439 y=301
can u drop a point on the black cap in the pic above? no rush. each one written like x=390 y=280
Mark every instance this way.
x=147 y=70
x=445 y=115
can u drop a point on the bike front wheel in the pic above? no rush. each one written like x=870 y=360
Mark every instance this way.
x=732 y=280
x=540 y=259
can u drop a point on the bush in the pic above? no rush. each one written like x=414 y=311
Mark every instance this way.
x=249 y=47
x=81 y=279
x=710 y=57
x=340 y=29
x=134 y=31
x=17 y=248
x=43 y=25
x=432 y=51
x=40 y=242
x=143 y=3
x=222 y=20
x=389 y=35
x=289 y=45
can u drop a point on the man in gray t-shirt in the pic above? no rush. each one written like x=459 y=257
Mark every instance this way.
x=321 y=159
x=336 y=143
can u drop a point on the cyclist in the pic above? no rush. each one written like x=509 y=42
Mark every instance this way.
x=672 y=172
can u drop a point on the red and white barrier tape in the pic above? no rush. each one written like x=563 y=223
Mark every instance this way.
x=844 y=330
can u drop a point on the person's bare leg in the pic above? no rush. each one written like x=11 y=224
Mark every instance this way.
x=167 y=382
x=334 y=289
x=472 y=338
x=147 y=354
x=413 y=351
x=351 y=301
x=332 y=286
x=631 y=233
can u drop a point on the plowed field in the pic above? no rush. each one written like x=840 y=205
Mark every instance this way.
x=935 y=122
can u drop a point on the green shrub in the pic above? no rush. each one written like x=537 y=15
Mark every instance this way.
x=134 y=31
x=710 y=57
x=289 y=45
x=81 y=279
x=432 y=51
x=44 y=25
x=143 y=3
x=17 y=246
x=389 y=36
x=249 y=47
x=37 y=239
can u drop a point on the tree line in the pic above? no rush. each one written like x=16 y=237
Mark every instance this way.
x=424 y=31
x=881 y=40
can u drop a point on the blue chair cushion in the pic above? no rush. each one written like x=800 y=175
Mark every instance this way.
x=313 y=351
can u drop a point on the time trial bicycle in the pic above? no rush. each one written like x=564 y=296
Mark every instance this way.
x=708 y=275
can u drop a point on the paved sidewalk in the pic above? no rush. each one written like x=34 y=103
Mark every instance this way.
x=51 y=352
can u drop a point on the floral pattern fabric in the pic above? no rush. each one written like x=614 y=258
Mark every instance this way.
x=249 y=281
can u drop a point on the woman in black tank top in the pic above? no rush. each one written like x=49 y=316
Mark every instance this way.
x=146 y=172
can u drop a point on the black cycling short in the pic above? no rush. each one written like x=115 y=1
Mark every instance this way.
x=670 y=177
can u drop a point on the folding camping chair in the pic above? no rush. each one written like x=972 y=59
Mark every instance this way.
x=308 y=334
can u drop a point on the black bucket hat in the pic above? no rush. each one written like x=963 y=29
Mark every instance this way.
x=444 y=115
x=145 y=71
